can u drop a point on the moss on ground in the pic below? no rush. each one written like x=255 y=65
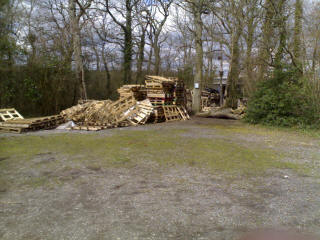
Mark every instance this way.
x=268 y=131
x=166 y=147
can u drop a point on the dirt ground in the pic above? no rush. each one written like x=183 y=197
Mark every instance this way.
x=199 y=179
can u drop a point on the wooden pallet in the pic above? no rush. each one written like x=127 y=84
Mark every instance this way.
x=185 y=112
x=158 y=79
x=11 y=129
x=139 y=91
x=31 y=124
x=144 y=110
x=157 y=95
x=157 y=115
x=175 y=113
x=172 y=113
x=9 y=114
x=160 y=102
x=88 y=128
x=119 y=108
x=154 y=86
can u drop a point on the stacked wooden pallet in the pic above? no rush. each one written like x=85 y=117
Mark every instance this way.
x=157 y=115
x=31 y=124
x=175 y=113
x=138 y=91
x=180 y=97
x=161 y=99
x=9 y=114
x=160 y=90
x=141 y=113
x=99 y=115
x=209 y=99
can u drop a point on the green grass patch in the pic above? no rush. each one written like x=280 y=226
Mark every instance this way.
x=273 y=133
x=125 y=149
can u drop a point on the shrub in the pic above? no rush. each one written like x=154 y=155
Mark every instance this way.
x=282 y=101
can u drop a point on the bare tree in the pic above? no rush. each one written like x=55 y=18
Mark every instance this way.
x=75 y=17
x=159 y=7
x=197 y=8
x=126 y=27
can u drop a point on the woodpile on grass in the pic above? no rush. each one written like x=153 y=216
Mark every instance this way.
x=138 y=104
x=161 y=99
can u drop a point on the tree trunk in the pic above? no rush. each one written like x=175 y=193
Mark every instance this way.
x=97 y=58
x=157 y=61
x=141 y=56
x=233 y=77
x=75 y=30
x=315 y=54
x=249 y=83
x=280 y=23
x=297 y=36
x=196 y=106
x=267 y=32
x=106 y=68
x=127 y=51
x=149 y=61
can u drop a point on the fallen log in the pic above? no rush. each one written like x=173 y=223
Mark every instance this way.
x=225 y=113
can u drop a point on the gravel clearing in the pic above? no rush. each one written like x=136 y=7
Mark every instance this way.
x=150 y=201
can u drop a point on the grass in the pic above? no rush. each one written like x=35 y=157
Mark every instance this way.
x=127 y=149
x=274 y=134
x=263 y=130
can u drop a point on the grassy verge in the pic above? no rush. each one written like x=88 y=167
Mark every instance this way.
x=129 y=148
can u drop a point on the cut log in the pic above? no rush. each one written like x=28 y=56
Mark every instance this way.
x=225 y=113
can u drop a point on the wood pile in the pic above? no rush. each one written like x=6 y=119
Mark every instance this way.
x=180 y=94
x=209 y=99
x=97 y=115
x=138 y=91
x=104 y=114
x=31 y=124
x=141 y=112
x=138 y=104
x=240 y=111
x=157 y=115
x=161 y=99
x=160 y=90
